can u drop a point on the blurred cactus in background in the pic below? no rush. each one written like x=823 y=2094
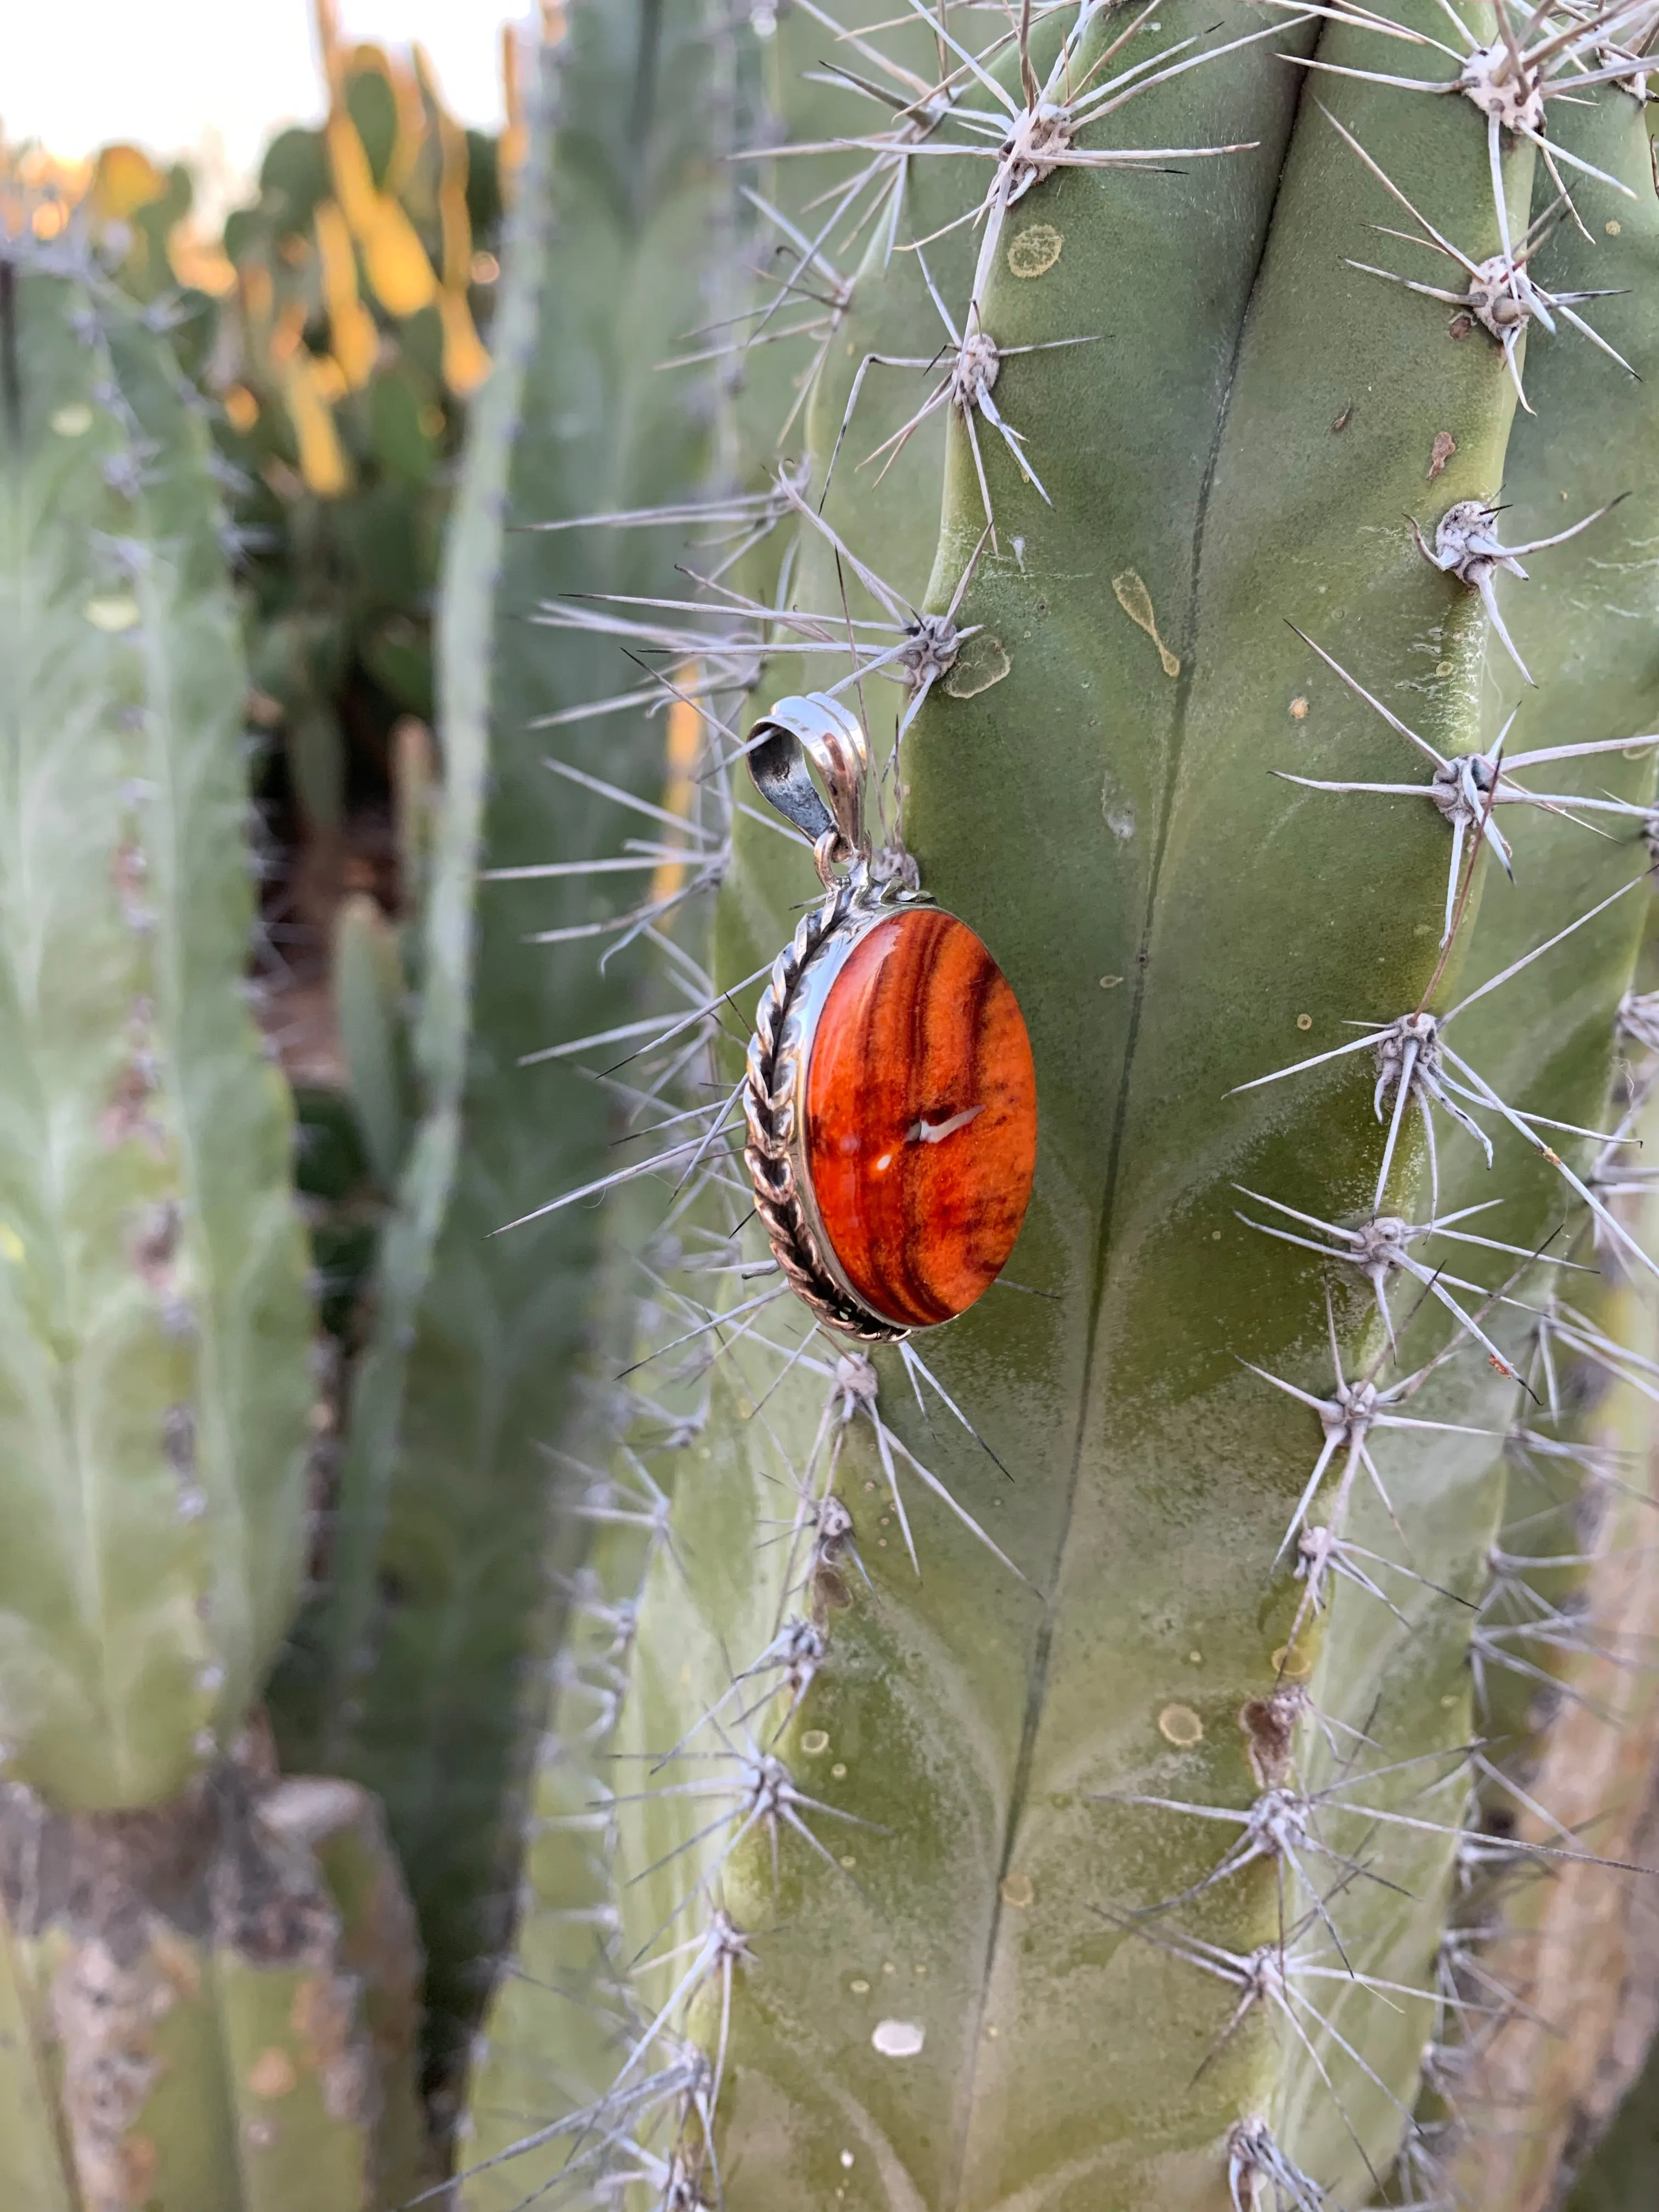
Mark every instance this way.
x=208 y=1975
x=419 y=1668
x=334 y=326
x=342 y=359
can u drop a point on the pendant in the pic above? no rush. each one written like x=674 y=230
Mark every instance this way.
x=889 y=1096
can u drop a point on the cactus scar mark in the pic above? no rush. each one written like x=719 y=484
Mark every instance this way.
x=977 y=670
x=1136 y=602
x=1035 y=250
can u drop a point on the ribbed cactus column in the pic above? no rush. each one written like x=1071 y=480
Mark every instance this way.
x=212 y=2005
x=154 y=1397
x=208 y=1978
x=1045 y=1776
x=538 y=2061
x=1104 y=813
x=1571 y=1948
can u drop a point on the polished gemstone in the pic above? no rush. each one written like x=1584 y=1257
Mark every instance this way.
x=920 y=1118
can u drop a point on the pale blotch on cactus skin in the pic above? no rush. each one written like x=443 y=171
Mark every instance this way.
x=1159 y=1832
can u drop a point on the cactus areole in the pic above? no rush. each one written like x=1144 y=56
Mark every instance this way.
x=890 y=1093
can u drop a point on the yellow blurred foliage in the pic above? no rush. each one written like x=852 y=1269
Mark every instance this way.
x=34 y=184
x=199 y=262
x=40 y=193
x=287 y=333
x=510 y=146
x=411 y=111
x=352 y=327
x=366 y=246
x=326 y=16
x=124 y=180
x=323 y=463
x=453 y=216
x=397 y=267
x=684 y=751
x=257 y=291
x=400 y=276
x=328 y=378
x=466 y=359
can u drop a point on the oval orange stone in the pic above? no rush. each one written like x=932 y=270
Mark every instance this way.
x=920 y=1118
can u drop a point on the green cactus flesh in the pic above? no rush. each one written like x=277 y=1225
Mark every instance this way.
x=537 y=2061
x=1116 y=1849
x=210 y=2007
x=414 y=1674
x=154 y=1392
x=1562 y=1942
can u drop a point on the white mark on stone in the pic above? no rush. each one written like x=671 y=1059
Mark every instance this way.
x=935 y=1132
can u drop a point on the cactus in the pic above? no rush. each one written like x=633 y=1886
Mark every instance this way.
x=414 y=1672
x=371 y=993
x=1617 y=2175
x=1562 y=1942
x=1043 y=1758
x=345 y=355
x=224 y=1995
x=538 y=2058
x=157 y=1398
x=208 y=1976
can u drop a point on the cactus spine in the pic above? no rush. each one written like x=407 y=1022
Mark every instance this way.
x=1125 y=1853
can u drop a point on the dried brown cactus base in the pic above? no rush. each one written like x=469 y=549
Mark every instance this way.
x=224 y=1994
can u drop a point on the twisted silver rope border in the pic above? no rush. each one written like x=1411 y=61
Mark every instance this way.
x=769 y=1108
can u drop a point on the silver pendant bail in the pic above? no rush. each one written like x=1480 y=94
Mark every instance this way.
x=819 y=732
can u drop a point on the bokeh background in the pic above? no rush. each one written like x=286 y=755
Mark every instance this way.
x=214 y=83
x=311 y=192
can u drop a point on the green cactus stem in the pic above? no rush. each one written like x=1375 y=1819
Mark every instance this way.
x=537 y=2062
x=155 y=1395
x=1561 y=1945
x=370 y=991
x=1095 y=1842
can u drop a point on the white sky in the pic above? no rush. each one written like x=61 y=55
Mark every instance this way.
x=170 y=74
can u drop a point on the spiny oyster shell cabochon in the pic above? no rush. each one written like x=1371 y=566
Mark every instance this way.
x=891 y=1094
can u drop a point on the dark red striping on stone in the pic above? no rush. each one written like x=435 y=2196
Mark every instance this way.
x=920 y=1118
